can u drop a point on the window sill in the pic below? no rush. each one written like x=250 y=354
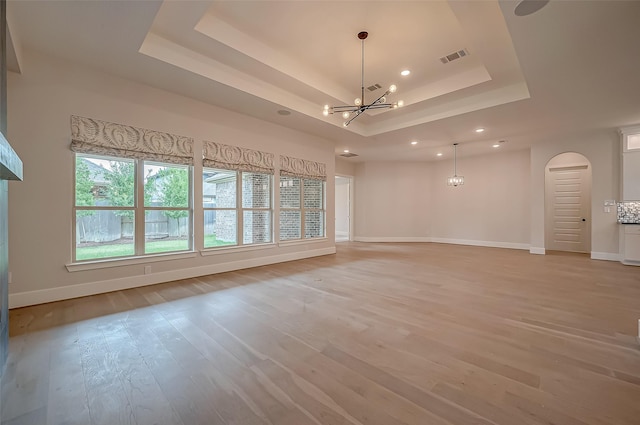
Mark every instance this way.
x=120 y=262
x=237 y=248
x=302 y=241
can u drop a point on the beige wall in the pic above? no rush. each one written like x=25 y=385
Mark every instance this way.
x=393 y=201
x=41 y=101
x=411 y=201
x=493 y=204
x=603 y=152
x=345 y=167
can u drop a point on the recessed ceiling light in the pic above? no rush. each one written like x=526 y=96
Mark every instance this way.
x=405 y=73
x=439 y=154
x=496 y=145
x=414 y=143
x=346 y=151
x=479 y=130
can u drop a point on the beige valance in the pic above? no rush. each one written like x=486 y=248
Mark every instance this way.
x=98 y=137
x=296 y=167
x=218 y=155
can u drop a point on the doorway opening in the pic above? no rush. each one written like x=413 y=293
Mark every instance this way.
x=568 y=203
x=344 y=204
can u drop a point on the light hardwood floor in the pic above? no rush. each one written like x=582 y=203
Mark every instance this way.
x=380 y=334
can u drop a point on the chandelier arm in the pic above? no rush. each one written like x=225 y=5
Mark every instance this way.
x=380 y=106
x=343 y=108
x=381 y=96
x=357 y=114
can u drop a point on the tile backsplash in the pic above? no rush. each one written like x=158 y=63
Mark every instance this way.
x=629 y=212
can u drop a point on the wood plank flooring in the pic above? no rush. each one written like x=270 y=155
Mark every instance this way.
x=380 y=334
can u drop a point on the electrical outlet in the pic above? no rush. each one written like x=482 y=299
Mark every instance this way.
x=147 y=269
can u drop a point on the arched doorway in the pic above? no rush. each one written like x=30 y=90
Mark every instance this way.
x=568 y=203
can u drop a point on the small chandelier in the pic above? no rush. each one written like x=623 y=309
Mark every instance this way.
x=349 y=112
x=456 y=180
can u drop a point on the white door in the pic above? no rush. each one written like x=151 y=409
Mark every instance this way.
x=343 y=219
x=568 y=208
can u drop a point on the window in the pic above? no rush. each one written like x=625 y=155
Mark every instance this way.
x=630 y=138
x=237 y=207
x=302 y=208
x=633 y=142
x=237 y=194
x=126 y=207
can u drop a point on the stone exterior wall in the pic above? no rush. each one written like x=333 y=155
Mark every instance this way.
x=313 y=224
x=225 y=225
x=291 y=213
x=313 y=200
x=289 y=198
x=256 y=193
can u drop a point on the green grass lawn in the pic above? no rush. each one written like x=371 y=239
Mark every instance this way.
x=153 y=247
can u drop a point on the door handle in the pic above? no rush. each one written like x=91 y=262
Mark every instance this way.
x=584 y=219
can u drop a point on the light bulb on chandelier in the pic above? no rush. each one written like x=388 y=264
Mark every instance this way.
x=350 y=112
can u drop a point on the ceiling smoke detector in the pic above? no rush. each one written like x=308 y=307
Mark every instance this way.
x=454 y=56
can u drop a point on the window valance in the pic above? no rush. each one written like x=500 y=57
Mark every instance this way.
x=218 y=155
x=296 y=167
x=98 y=137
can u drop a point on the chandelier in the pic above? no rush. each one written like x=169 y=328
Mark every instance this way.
x=456 y=180
x=351 y=112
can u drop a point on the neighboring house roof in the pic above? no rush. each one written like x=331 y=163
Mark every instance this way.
x=97 y=172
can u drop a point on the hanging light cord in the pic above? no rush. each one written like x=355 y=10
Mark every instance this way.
x=455 y=160
x=362 y=78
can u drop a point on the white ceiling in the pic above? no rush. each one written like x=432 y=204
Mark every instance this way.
x=569 y=68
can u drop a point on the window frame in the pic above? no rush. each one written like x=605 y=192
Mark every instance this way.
x=139 y=210
x=303 y=210
x=240 y=209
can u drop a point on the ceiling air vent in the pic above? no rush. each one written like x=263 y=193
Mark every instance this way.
x=348 y=155
x=453 y=56
x=374 y=87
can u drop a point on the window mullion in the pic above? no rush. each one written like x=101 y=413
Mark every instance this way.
x=302 y=210
x=191 y=203
x=239 y=209
x=139 y=214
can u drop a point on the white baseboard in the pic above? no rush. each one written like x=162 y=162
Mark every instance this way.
x=607 y=256
x=536 y=250
x=391 y=239
x=23 y=299
x=489 y=244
